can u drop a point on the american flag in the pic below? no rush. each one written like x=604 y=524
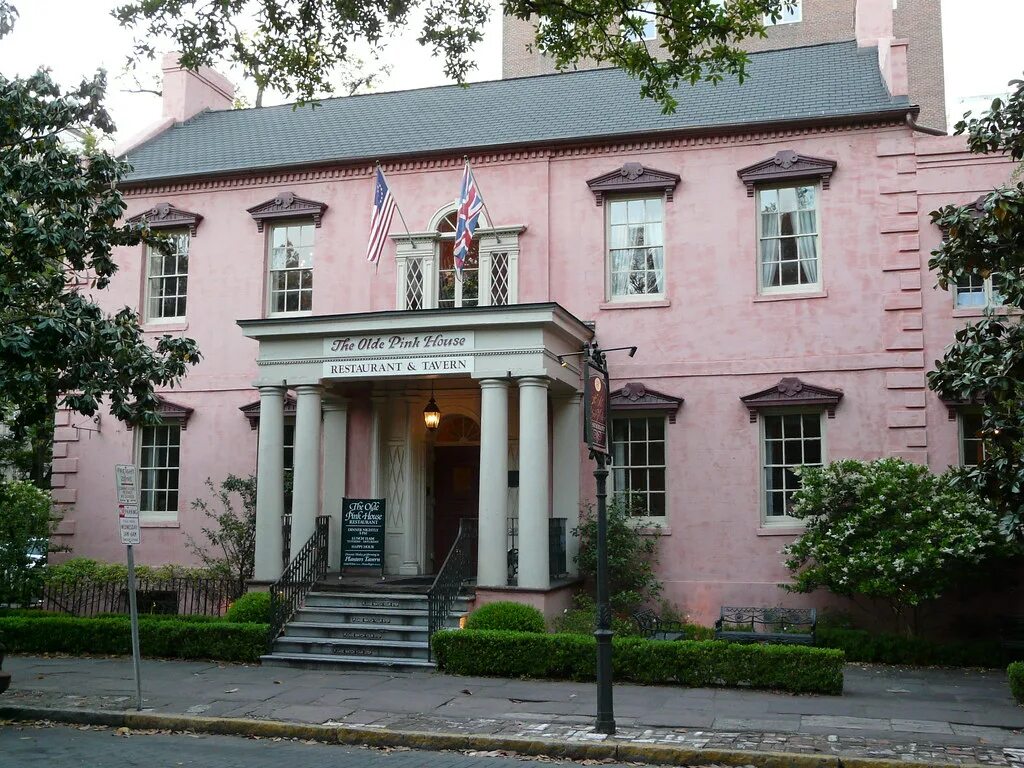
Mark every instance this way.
x=470 y=204
x=380 y=221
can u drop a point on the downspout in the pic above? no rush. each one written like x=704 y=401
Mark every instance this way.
x=912 y=123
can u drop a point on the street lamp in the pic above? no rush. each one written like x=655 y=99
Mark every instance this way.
x=431 y=414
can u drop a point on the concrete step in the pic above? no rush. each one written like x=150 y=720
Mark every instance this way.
x=343 y=631
x=367 y=616
x=331 y=646
x=337 y=662
x=376 y=601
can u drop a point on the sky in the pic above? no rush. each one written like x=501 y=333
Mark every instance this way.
x=75 y=37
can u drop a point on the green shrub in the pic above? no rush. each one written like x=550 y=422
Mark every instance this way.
x=163 y=637
x=36 y=613
x=24 y=523
x=691 y=663
x=514 y=617
x=1016 y=674
x=252 y=607
x=868 y=647
x=78 y=569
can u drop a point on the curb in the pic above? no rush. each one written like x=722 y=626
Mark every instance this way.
x=651 y=754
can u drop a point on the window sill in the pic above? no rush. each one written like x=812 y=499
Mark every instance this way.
x=625 y=304
x=286 y=315
x=143 y=523
x=789 y=296
x=780 y=530
x=982 y=311
x=168 y=327
x=650 y=527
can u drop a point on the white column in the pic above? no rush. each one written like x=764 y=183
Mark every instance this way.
x=567 y=436
x=533 y=483
x=270 y=485
x=335 y=457
x=411 y=521
x=306 y=493
x=379 y=403
x=492 y=562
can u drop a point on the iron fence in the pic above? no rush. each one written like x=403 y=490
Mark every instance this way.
x=181 y=596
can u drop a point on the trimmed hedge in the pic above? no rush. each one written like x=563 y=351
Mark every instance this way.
x=252 y=607
x=514 y=617
x=862 y=646
x=687 y=662
x=1016 y=674
x=159 y=637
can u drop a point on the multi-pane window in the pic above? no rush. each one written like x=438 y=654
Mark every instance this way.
x=792 y=12
x=452 y=292
x=636 y=253
x=973 y=291
x=167 y=279
x=646 y=16
x=972 y=446
x=291 y=268
x=788 y=238
x=789 y=440
x=638 y=463
x=159 y=459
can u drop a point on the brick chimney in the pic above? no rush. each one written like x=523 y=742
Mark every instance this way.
x=188 y=93
x=874 y=21
x=874 y=26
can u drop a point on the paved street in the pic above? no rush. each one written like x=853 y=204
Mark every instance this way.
x=29 y=746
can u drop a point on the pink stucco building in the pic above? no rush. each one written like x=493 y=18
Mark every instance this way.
x=765 y=248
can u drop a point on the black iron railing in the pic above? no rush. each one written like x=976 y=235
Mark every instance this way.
x=459 y=567
x=307 y=567
x=182 y=596
x=557 y=548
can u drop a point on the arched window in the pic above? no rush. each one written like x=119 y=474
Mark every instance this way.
x=458 y=429
x=426 y=266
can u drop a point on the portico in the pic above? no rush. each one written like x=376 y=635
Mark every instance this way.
x=361 y=382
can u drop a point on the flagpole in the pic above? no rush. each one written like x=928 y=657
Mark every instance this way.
x=398 y=208
x=483 y=200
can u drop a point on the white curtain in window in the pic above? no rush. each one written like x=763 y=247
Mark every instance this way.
x=769 y=249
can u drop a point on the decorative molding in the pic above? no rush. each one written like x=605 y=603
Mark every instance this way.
x=633 y=177
x=953 y=407
x=635 y=396
x=252 y=411
x=172 y=413
x=287 y=205
x=166 y=216
x=787 y=164
x=792 y=392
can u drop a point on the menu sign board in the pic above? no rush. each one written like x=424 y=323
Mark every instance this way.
x=596 y=406
x=362 y=533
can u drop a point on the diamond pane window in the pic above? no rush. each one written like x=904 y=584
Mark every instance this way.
x=291 y=268
x=167 y=280
x=414 y=284
x=789 y=440
x=636 y=254
x=159 y=459
x=499 y=279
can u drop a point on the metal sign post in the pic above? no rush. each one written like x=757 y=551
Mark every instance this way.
x=126 y=482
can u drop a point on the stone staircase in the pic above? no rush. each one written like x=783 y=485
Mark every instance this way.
x=359 y=630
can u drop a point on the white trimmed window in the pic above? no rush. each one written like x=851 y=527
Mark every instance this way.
x=159 y=460
x=646 y=15
x=426 y=267
x=291 y=268
x=972 y=446
x=789 y=257
x=638 y=463
x=788 y=440
x=976 y=292
x=792 y=12
x=167 y=280
x=636 y=248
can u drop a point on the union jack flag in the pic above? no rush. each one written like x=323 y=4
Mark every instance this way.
x=380 y=220
x=470 y=205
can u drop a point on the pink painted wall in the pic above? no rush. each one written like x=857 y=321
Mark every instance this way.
x=872 y=332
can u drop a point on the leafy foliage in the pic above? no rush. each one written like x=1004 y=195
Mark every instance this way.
x=79 y=569
x=251 y=608
x=888 y=530
x=631 y=556
x=684 y=662
x=1015 y=672
x=25 y=516
x=985 y=363
x=882 y=648
x=300 y=45
x=232 y=534
x=507 y=615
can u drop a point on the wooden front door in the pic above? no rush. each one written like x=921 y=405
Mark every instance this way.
x=456 y=494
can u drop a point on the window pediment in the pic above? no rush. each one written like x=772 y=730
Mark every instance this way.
x=954 y=407
x=166 y=216
x=635 y=396
x=287 y=205
x=785 y=165
x=252 y=411
x=790 y=392
x=633 y=177
x=173 y=413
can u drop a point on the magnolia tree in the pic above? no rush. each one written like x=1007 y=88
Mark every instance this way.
x=889 y=531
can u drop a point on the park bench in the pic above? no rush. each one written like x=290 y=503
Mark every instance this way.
x=790 y=626
x=653 y=627
x=1011 y=637
x=5 y=677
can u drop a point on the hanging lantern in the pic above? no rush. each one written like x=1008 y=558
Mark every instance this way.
x=431 y=414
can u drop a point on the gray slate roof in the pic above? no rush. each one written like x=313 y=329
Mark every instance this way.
x=832 y=80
